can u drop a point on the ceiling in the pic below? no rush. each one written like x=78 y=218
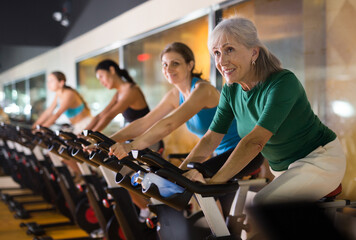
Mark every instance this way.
x=27 y=27
x=30 y=22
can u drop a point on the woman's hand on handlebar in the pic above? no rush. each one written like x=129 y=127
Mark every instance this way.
x=120 y=150
x=194 y=175
x=89 y=148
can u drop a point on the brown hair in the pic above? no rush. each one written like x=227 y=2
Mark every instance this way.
x=61 y=77
x=106 y=64
x=185 y=52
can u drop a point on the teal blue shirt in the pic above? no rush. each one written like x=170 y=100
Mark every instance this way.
x=72 y=112
x=279 y=105
x=200 y=122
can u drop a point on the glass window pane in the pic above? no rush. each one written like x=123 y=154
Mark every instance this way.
x=282 y=35
x=142 y=58
x=7 y=95
x=20 y=99
x=96 y=95
x=37 y=95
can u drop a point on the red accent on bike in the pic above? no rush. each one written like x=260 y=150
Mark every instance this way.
x=257 y=171
x=150 y=223
x=80 y=187
x=121 y=234
x=106 y=203
x=90 y=216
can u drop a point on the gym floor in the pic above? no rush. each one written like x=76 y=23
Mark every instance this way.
x=10 y=227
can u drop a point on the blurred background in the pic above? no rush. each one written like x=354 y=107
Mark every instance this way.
x=313 y=38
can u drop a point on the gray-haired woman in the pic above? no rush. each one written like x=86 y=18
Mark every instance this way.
x=273 y=117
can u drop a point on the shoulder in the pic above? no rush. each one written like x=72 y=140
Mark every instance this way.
x=205 y=87
x=284 y=79
x=284 y=75
x=69 y=92
x=283 y=85
x=173 y=93
x=230 y=89
x=131 y=88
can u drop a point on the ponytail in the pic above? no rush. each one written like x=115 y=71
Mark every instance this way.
x=61 y=77
x=78 y=94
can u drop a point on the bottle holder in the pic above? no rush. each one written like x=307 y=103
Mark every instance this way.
x=178 y=200
x=81 y=156
x=64 y=152
x=112 y=164
x=98 y=156
x=125 y=182
x=101 y=158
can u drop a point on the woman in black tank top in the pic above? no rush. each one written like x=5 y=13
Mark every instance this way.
x=131 y=115
x=128 y=100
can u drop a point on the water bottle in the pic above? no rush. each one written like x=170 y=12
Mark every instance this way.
x=134 y=179
x=165 y=187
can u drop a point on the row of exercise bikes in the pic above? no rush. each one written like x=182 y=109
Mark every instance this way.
x=102 y=206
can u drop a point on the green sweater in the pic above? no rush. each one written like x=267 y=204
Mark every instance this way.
x=279 y=105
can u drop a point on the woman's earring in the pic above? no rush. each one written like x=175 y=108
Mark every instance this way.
x=253 y=63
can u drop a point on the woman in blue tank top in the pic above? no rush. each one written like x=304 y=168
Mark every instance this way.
x=68 y=102
x=192 y=101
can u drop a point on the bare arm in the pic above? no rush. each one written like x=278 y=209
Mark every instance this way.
x=64 y=105
x=205 y=147
x=139 y=126
x=129 y=97
x=204 y=95
x=246 y=150
x=96 y=119
x=46 y=114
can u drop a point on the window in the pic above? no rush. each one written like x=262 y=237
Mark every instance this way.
x=142 y=57
x=7 y=101
x=25 y=99
x=37 y=95
x=282 y=35
x=21 y=100
x=96 y=95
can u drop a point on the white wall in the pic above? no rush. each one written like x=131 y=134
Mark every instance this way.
x=147 y=16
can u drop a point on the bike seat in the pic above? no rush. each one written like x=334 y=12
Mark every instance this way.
x=335 y=192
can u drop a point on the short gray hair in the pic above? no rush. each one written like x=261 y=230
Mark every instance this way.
x=244 y=32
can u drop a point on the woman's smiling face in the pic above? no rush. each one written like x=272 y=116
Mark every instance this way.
x=174 y=67
x=232 y=59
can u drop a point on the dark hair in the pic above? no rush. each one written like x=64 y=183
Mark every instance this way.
x=61 y=77
x=106 y=64
x=185 y=52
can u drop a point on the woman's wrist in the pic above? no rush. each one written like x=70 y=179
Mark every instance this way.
x=128 y=147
